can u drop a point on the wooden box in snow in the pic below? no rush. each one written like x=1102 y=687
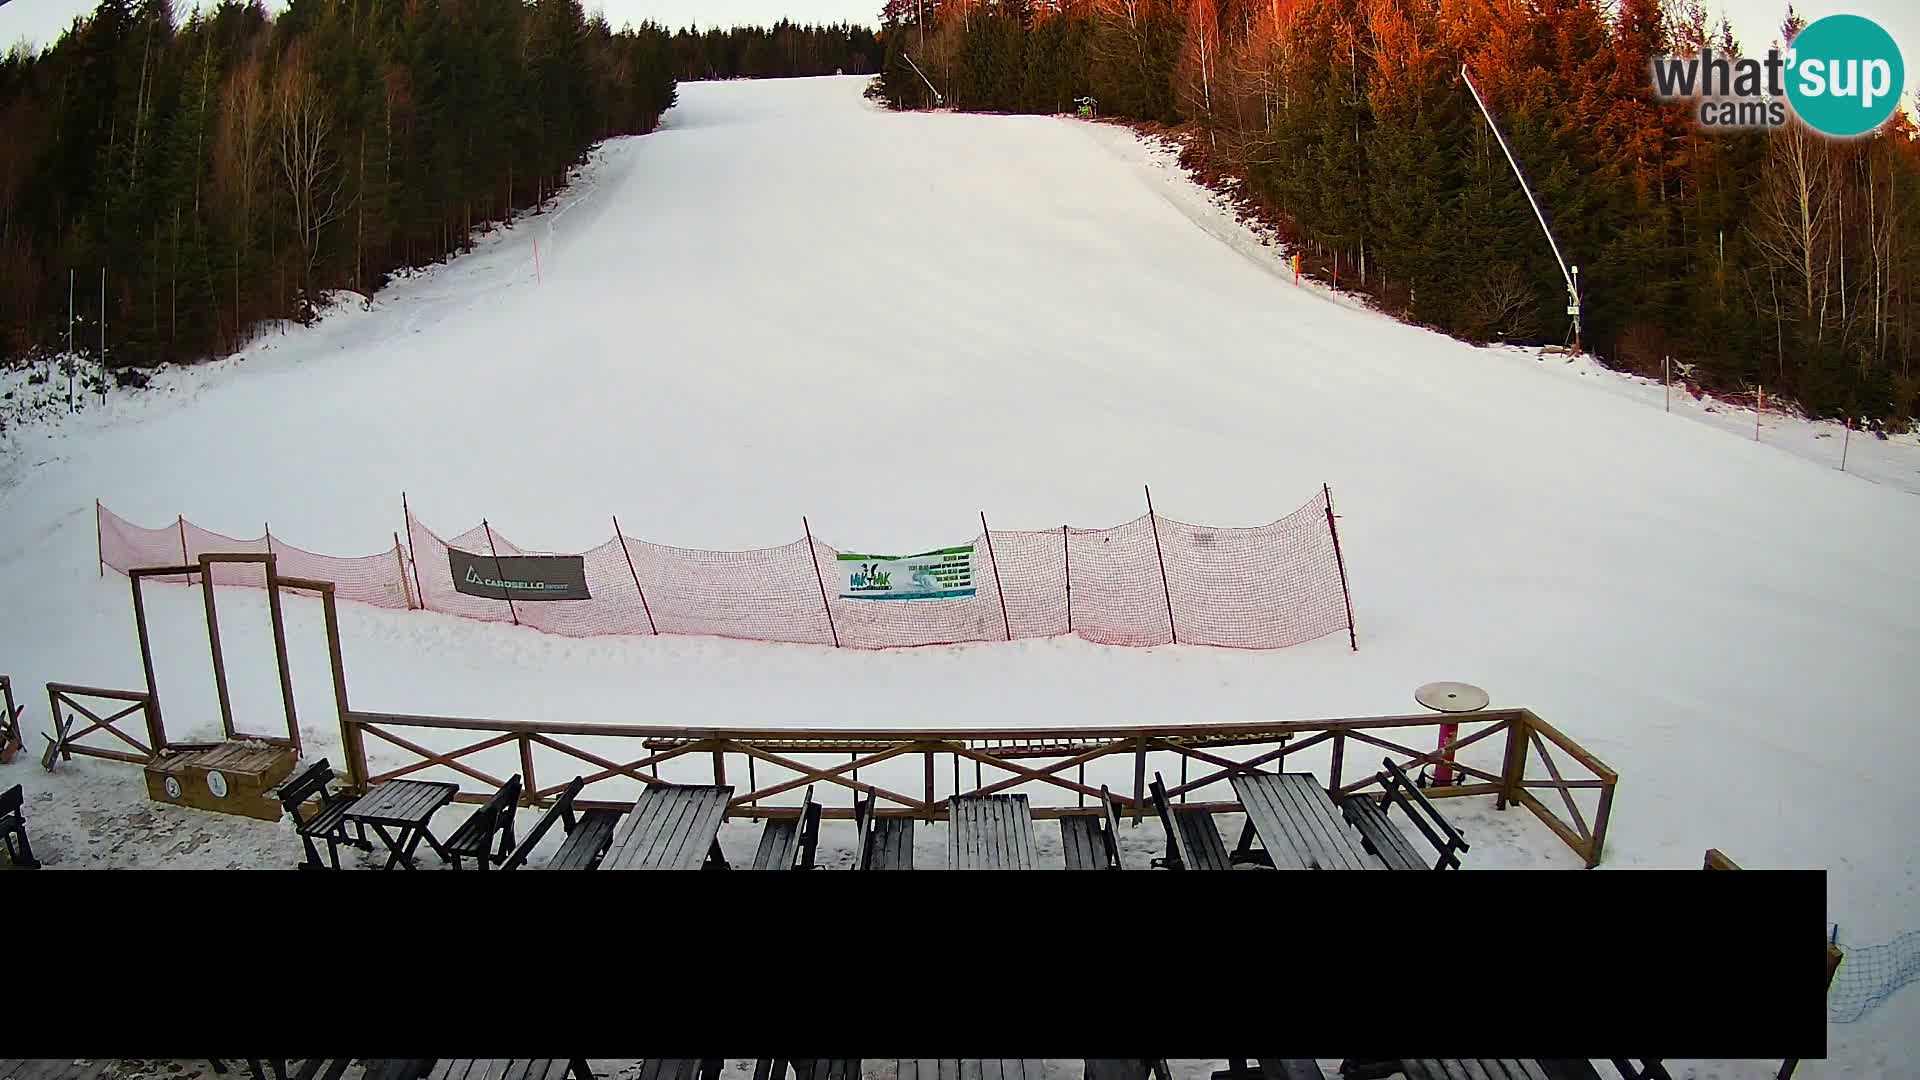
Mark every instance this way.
x=227 y=778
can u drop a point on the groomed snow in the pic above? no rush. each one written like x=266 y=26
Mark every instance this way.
x=789 y=302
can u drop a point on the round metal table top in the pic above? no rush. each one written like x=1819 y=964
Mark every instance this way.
x=1451 y=697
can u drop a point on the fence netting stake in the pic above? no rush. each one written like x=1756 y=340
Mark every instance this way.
x=498 y=572
x=814 y=558
x=997 y=587
x=1153 y=519
x=1334 y=530
x=618 y=535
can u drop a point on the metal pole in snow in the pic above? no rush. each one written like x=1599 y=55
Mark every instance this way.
x=1666 y=376
x=536 y=260
x=1844 y=442
x=1759 y=403
x=103 y=335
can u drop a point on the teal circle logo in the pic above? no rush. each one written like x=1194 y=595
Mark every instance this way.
x=1844 y=75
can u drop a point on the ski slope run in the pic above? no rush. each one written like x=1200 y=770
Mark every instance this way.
x=789 y=302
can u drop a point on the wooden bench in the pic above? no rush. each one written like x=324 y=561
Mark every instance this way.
x=1368 y=814
x=969 y=1069
x=1445 y=1069
x=589 y=834
x=511 y=1069
x=990 y=832
x=885 y=843
x=681 y=1069
x=672 y=827
x=329 y=823
x=1193 y=841
x=788 y=843
x=474 y=839
x=1297 y=824
x=1092 y=842
x=1272 y=1069
x=1127 y=1069
x=13 y=829
x=807 y=1068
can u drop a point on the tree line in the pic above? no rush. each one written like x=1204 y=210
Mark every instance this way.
x=782 y=51
x=1771 y=258
x=233 y=169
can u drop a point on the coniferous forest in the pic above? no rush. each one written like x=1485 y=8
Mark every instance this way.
x=1776 y=259
x=232 y=169
x=784 y=50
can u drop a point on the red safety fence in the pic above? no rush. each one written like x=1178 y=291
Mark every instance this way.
x=1150 y=581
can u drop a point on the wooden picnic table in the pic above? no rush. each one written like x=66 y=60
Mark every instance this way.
x=408 y=805
x=990 y=832
x=1299 y=827
x=968 y=1069
x=672 y=827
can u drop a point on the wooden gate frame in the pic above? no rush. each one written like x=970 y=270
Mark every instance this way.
x=147 y=702
x=204 y=567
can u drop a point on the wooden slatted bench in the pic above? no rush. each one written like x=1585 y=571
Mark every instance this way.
x=886 y=843
x=56 y=1068
x=1127 y=1069
x=13 y=828
x=1446 y=1068
x=990 y=832
x=1368 y=814
x=680 y=1069
x=474 y=839
x=589 y=833
x=1272 y=1069
x=788 y=843
x=1092 y=842
x=969 y=1069
x=807 y=1068
x=511 y=1069
x=328 y=823
x=1193 y=841
x=672 y=827
x=1297 y=824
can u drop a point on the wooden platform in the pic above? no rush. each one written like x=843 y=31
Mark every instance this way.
x=226 y=778
x=57 y=1068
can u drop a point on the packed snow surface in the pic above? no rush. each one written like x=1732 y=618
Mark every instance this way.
x=790 y=302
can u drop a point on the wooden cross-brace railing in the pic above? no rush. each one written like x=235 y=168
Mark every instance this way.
x=1035 y=761
x=65 y=696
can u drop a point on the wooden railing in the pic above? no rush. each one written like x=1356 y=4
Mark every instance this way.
x=11 y=737
x=67 y=738
x=480 y=754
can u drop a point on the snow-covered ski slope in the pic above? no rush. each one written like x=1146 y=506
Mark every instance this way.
x=790 y=302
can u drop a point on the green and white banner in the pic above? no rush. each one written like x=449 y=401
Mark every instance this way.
x=930 y=575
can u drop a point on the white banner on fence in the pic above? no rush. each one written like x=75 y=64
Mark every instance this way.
x=930 y=575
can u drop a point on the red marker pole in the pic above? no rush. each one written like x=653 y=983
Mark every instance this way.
x=536 y=260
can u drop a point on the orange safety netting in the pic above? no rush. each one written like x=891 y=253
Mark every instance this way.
x=1150 y=581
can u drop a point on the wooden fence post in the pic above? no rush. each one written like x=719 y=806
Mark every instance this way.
x=814 y=558
x=1339 y=755
x=529 y=788
x=1139 y=777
